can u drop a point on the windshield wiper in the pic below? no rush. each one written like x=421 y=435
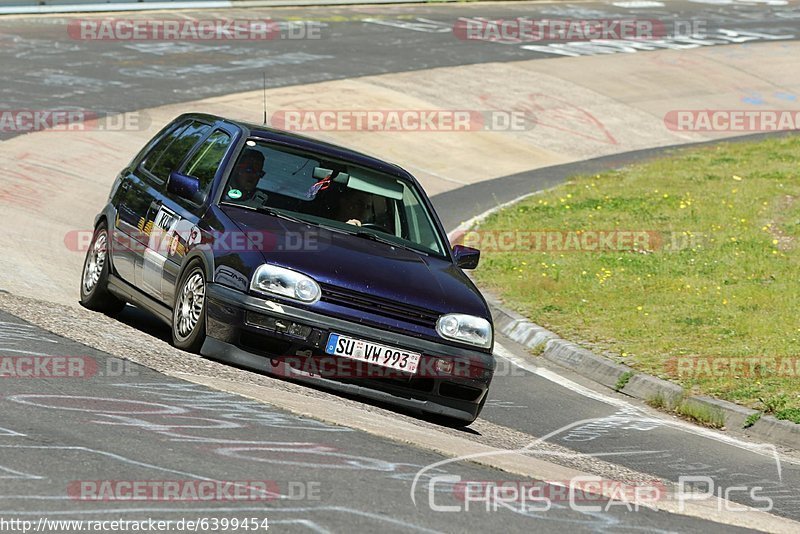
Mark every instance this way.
x=280 y=214
x=268 y=211
x=375 y=237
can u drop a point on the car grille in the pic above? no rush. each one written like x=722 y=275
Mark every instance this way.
x=369 y=303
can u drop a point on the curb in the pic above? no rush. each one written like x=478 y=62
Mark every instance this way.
x=637 y=385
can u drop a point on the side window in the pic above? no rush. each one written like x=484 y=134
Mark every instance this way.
x=167 y=155
x=207 y=159
x=152 y=157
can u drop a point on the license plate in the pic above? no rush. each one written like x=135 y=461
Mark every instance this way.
x=365 y=351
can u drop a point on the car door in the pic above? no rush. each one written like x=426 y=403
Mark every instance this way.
x=135 y=193
x=183 y=215
x=146 y=193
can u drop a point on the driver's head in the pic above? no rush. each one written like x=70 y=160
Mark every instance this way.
x=248 y=171
x=355 y=204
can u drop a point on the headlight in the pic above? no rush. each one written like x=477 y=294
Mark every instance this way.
x=465 y=328
x=285 y=283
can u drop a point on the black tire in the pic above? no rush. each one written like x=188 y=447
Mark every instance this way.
x=190 y=334
x=94 y=276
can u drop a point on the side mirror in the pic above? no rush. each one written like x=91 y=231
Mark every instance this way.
x=185 y=186
x=466 y=257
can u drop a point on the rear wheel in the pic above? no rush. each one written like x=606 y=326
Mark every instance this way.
x=94 y=282
x=189 y=312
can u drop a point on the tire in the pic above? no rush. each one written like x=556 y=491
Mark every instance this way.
x=94 y=276
x=189 y=311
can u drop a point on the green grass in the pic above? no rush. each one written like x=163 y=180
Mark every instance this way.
x=751 y=420
x=789 y=414
x=698 y=413
x=538 y=349
x=623 y=380
x=658 y=402
x=718 y=280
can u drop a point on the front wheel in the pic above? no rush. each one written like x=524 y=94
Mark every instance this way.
x=189 y=312
x=94 y=282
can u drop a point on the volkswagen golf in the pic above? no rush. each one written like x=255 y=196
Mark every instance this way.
x=291 y=256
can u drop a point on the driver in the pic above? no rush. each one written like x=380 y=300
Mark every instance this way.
x=243 y=184
x=355 y=208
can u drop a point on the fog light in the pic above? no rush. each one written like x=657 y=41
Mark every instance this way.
x=444 y=366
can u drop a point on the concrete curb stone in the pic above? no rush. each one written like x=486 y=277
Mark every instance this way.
x=638 y=385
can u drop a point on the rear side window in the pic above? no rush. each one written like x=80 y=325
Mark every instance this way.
x=167 y=155
x=206 y=161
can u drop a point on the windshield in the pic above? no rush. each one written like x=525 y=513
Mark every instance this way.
x=331 y=193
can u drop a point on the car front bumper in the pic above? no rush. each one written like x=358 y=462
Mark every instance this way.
x=289 y=341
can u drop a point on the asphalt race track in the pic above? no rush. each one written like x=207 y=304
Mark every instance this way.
x=135 y=424
x=45 y=67
x=122 y=421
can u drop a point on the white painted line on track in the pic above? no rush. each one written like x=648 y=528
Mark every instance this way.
x=502 y=352
x=763 y=449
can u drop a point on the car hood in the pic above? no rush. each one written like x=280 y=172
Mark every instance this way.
x=359 y=264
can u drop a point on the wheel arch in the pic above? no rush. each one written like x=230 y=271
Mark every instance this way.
x=206 y=260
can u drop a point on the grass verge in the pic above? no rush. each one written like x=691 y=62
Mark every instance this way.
x=685 y=267
x=701 y=414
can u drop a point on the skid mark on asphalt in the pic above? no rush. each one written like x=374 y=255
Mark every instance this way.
x=204 y=417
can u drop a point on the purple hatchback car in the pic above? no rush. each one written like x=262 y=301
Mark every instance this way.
x=295 y=257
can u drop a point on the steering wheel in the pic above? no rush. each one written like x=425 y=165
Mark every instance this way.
x=378 y=227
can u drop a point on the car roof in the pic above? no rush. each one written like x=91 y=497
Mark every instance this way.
x=303 y=142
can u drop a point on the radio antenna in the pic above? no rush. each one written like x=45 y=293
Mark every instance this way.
x=265 y=98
